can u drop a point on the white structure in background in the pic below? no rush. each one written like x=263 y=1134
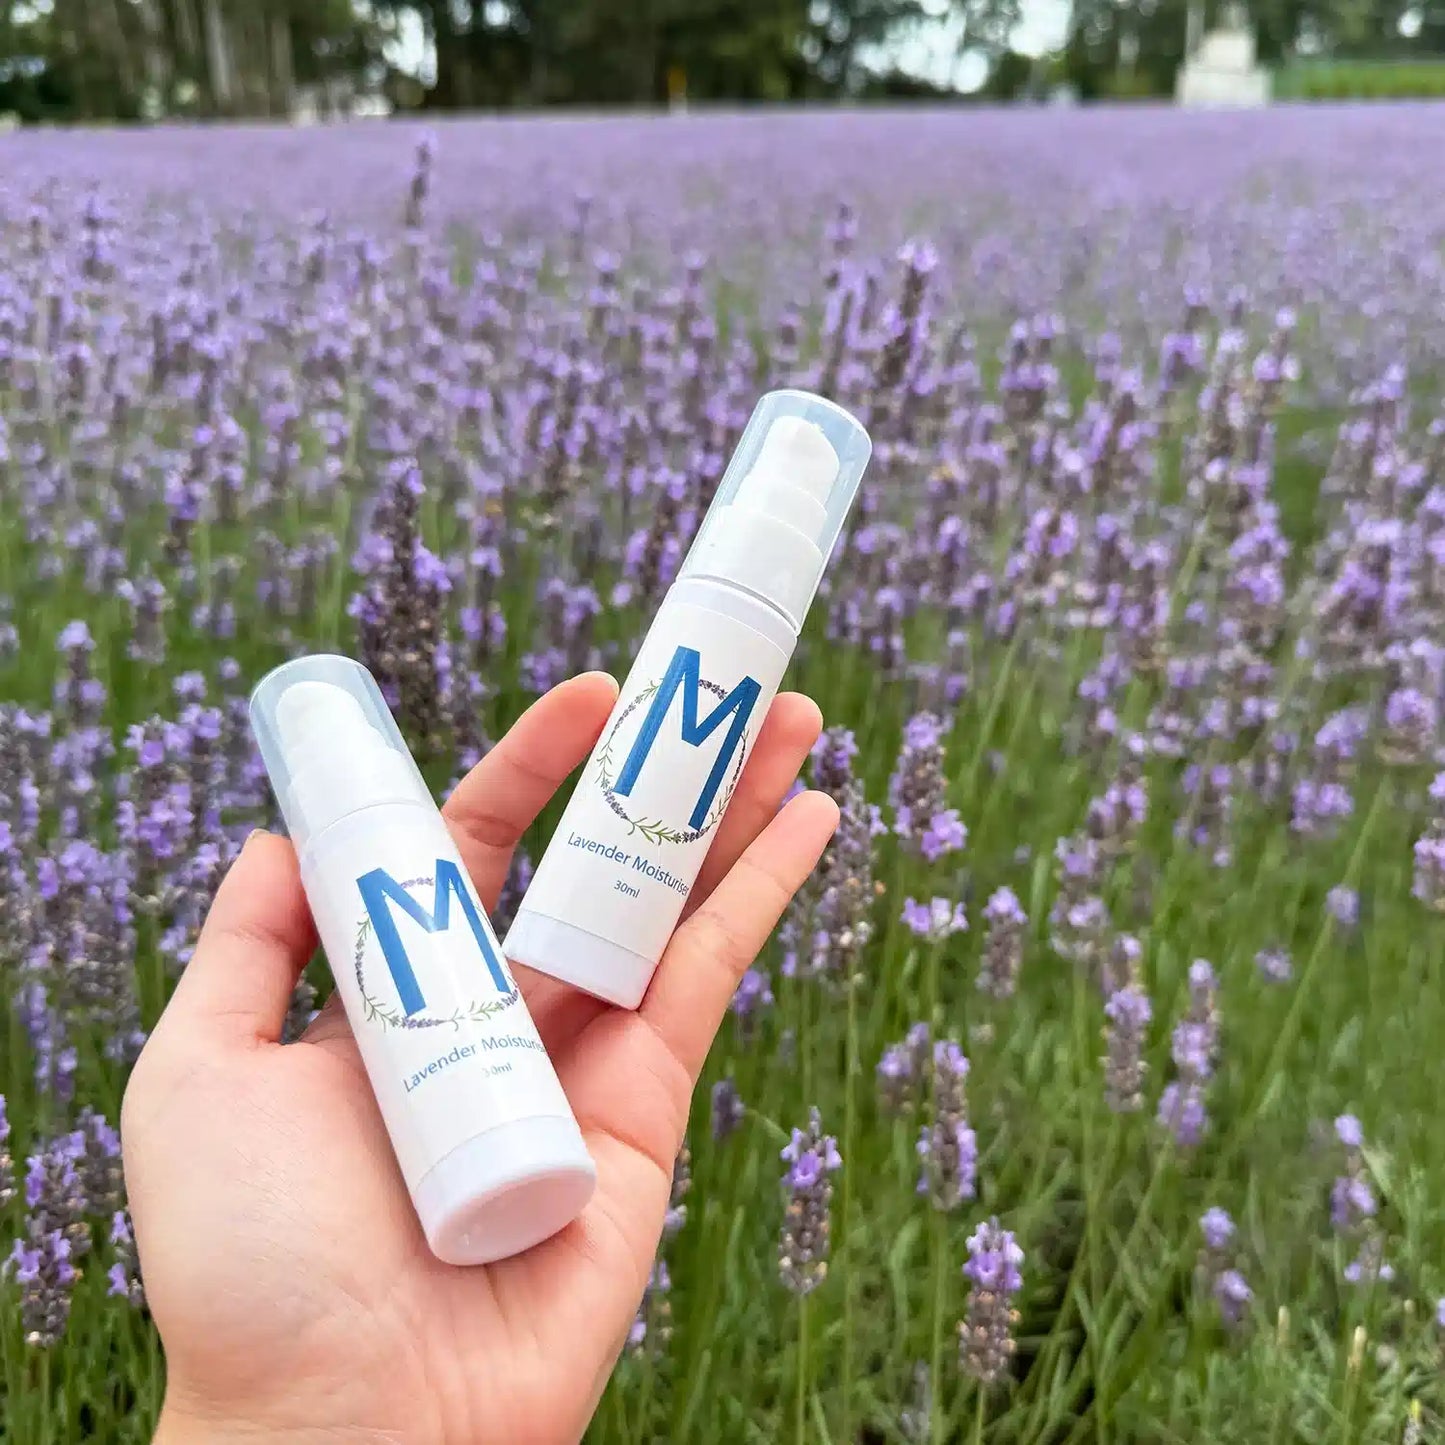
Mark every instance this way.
x=1222 y=71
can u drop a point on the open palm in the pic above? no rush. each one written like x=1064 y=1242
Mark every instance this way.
x=288 y=1276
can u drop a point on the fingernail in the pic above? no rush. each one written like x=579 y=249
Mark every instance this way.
x=252 y=836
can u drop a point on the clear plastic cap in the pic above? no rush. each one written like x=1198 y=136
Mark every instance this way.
x=330 y=744
x=782 y=501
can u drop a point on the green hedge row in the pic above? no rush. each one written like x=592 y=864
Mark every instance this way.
x=1362 y=80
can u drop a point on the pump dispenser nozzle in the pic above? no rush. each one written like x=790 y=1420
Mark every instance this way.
x=782 y=502
x=316 y=714
x=330 y=744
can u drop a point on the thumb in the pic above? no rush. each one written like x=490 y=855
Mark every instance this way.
x=257 y=938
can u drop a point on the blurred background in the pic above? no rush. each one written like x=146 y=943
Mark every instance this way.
x=130 y=60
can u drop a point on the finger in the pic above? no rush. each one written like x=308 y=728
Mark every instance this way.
x=257 y=938
x=784 y=742
x=497 y=801
x=711 y=951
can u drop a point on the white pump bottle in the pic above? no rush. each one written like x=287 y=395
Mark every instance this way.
x=482 y=1131
x=612 y=884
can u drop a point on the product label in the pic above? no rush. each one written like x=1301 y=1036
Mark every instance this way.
x=447 y=1041
x=644 y=814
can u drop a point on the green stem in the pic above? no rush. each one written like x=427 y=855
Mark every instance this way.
x=939 y=1241
x=801 y=1418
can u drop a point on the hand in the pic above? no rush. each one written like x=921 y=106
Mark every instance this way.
x=287 y=1274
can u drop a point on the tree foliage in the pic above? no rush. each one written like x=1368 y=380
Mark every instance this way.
x=136 y=59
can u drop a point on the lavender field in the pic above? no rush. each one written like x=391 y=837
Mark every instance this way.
x=1119 y=995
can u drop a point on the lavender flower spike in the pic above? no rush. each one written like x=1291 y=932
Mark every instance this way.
x=918 y=791
x=986 y=1343
x=727 y=1109
x=7 y=1164
x=1353 y=1208
x=948 y=1148
x=1217 y=1268
x=1196 y=1041
x=1003 y=944
x=812 y=1157
x=1127 y=1016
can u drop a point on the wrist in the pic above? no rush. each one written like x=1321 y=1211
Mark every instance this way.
x=180 y=1424
x=183 y=1423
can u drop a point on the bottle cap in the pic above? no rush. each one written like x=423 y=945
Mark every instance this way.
x=330 y=744
x=782 y=501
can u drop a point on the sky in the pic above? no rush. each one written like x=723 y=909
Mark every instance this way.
x=930 y=51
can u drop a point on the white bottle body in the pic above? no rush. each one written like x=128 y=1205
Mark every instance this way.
x=616 y=875
x=481 y=1128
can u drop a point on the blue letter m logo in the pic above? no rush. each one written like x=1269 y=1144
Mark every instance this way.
x=684 y=672
x=379 y=890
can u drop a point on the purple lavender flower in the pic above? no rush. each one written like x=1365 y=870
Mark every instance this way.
x=1323 y=798
x=1127 y=1015
x=918 y=787
x=7 y=1164
x=1350 y=1132
x=1114 y=818
x=948 y=1147
x=1003 y=944
x=1217 y=1228
x=1193 y=1048
x=903 y=1071
x=986 y=1343
x=1079 y=919
x=754 y=995
x=1232 y=1294
x=399 y=614
x=1182 y=1111
x=652 y=1327
x=1354 y=1209
x=1369 y=1265
x=728 y=1110
x=1412 y=726
x=935 y=920
x=55 y=1197
x=124 y=1274
x=99 y=1163
x=1343 y=905
x=681 y=1184
x=1274 y=964
x=833 y=756
x=945 y=833
x=1429 y=880
x=812 y=1157
x=41 y=1266
x=829 y=923
x=1217 y=1269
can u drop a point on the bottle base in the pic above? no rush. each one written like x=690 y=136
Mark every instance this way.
x=505 y=1191
x=563 y=951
